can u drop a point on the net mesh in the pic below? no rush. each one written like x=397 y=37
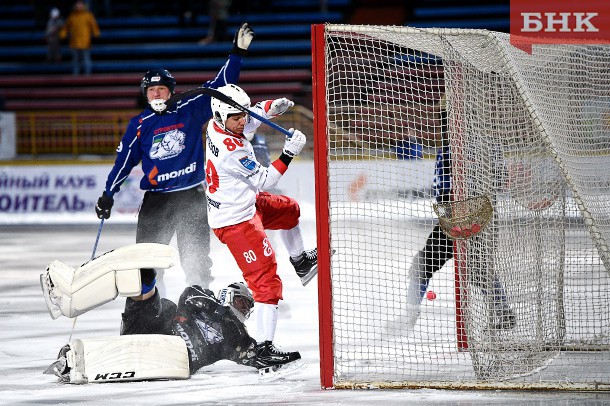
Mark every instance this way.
x=417 y=117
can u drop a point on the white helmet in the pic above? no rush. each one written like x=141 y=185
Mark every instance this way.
x=239 y=299
x=221 y=110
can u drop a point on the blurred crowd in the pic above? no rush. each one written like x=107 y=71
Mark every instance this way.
x=186 y=10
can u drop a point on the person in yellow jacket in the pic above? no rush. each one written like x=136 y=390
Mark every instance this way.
x=81 y=26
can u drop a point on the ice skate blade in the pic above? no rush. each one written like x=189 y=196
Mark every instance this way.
x=309 y=276
x=275 y=372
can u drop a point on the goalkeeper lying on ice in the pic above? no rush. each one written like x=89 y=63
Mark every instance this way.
x=159 y=339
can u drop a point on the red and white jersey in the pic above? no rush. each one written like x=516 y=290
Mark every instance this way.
x=233 y=175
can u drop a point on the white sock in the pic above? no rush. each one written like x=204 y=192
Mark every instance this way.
x=266 y=321
x=293 y=240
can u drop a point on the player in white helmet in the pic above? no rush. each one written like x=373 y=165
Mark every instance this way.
x=240 y=209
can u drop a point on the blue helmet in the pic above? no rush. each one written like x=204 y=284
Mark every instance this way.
x=156 y=77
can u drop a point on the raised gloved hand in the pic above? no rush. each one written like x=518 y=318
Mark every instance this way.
x=242 y=39
x=279 y=106
x=104 y=206
x=294 y=145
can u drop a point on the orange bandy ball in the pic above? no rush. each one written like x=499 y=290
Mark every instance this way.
x=430 y=295
x=475 y=228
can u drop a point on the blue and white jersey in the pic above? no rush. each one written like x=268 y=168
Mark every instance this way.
x=169 y=145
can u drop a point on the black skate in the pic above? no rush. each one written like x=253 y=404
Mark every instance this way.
x=272 y=362
x=306 y=265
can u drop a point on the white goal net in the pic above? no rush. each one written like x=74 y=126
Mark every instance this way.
x=414 y=126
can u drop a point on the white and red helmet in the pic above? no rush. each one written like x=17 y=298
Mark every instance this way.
x=222 y=110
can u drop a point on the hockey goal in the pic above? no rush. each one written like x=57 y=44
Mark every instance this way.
x=531 y=134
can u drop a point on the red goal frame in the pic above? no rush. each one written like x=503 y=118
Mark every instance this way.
x=322 y=211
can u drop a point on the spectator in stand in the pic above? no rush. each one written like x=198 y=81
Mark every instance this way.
x=219 y=16
x=187 y=13
x=81 y=26
x=52 y=36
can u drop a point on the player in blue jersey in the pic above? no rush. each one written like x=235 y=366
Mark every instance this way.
x=439 y=249
x=168 y=142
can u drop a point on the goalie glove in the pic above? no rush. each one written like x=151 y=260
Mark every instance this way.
x=104 y=206
x=279 y=106
x=294 y=145
x=243 y=38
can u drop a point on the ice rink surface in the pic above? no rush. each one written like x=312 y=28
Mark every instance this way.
x=30 y=339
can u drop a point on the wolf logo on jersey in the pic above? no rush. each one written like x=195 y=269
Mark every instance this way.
x=167 y=145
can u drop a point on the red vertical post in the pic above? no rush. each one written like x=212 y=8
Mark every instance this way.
x=318 y=69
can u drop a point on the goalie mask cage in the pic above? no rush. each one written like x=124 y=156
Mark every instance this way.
x=528 y=132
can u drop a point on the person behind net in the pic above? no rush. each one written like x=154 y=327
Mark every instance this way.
x=439 y=249
x=240 y=210
x=168 y=143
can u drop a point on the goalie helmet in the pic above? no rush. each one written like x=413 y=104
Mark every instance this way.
x=157 y=77
x=239 y=299
x=223 y=110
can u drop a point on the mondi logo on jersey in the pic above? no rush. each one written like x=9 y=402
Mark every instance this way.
x=174 y=174
x=558 y=22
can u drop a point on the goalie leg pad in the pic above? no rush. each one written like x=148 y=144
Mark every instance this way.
x=123 y=358
x=71 y=292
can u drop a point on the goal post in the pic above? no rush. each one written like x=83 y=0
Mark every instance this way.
x=322 y=208
x=521 y=298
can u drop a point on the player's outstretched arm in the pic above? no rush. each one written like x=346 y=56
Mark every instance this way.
x=242 y=39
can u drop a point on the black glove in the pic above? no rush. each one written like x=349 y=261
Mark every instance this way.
x=195 y=299
x=103 y=206
x=242 y=40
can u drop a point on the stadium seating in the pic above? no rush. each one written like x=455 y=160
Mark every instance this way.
x=278 y=64
x=490 y=15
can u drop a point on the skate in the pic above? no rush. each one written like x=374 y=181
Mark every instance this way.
x=60 y=367
x=306 y=265
x=273 y=363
